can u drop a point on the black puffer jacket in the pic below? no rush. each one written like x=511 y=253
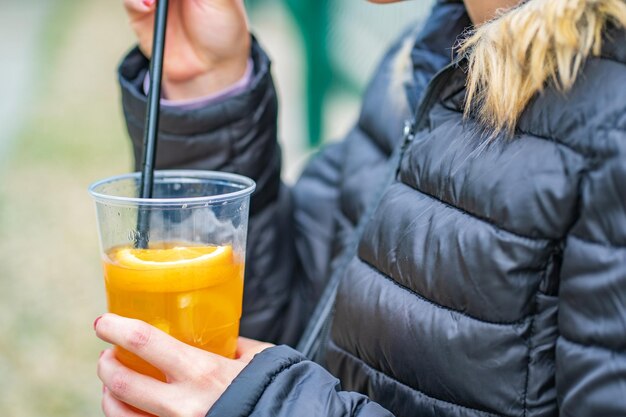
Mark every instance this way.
x=489 y=281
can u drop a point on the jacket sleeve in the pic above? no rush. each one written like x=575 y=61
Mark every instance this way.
x=237 y=134
x=280 y=382
x=591 y=348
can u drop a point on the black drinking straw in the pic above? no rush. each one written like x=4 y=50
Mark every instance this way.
x=152 y=121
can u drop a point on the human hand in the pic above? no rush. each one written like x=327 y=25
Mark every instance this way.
x=195 y=378
x=207 y=43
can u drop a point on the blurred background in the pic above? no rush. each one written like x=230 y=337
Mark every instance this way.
x=61 y=128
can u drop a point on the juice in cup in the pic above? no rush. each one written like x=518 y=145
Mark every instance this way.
x=191 y=292
x=188 y=282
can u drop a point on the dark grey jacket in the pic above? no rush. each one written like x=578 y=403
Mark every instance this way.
x=489 y=281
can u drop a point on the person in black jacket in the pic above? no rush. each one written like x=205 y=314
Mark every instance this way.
x=474 y=219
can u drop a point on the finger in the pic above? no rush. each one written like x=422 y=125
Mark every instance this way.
x=112 y=407
x=139 y=8
x=168 y=354
x=247 y=348
x=131 y=387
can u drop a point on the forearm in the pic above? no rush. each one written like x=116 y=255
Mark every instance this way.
x=208 y=83
x=228 y=91
x=233 y=133
x=222 y=135
x=280 y=382
x=270 y=267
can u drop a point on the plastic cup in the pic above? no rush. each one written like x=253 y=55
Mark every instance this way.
x=188 y=282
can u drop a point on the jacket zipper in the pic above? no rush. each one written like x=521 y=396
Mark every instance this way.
x=433 y=89
x=312 y=339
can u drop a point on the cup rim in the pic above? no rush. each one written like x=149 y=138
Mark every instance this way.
x=248 y=187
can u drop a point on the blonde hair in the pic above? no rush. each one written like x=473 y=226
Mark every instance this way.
x=512 y=57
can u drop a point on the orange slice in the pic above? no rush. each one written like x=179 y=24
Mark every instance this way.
x=172 y=269
x=177 y=256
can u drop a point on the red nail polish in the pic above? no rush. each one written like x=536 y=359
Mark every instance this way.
x=148 y=3
x=95 y=323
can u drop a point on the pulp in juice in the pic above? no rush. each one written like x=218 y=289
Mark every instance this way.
x=191 y=292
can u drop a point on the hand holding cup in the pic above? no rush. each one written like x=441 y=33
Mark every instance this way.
x=195 y=378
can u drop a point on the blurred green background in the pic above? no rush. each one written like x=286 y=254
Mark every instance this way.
x=61 y=128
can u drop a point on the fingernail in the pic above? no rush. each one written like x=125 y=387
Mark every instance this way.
x=95 y=323
x=148 y=3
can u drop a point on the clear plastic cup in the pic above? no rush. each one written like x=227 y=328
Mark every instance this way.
x=188 y=281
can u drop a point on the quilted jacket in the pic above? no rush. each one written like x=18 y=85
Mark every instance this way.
x=490 y=279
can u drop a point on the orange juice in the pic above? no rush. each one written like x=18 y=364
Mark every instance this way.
x=192 y=292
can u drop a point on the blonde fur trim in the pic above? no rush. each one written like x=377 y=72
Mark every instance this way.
x=512 y=57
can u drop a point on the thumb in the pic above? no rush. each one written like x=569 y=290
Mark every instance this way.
x=247 y=348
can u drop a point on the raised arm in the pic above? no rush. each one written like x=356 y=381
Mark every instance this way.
x=236 y=134
x=289 y=230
